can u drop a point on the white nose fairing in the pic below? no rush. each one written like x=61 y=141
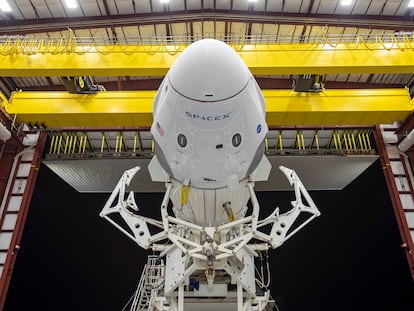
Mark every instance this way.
x=209 y=118
x=209 y=71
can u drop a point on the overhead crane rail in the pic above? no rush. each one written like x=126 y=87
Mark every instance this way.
x=264 y=55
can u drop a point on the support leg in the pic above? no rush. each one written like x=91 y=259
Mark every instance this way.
x=181 y=298
x=239 y=297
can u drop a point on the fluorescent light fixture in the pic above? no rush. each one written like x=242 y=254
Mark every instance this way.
x=411 y=4
x=71 y=4
x=346 y=2
x=164 y=1
x=4 y=6
x=251 y=0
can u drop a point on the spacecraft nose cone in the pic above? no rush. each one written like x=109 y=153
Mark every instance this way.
x=208 y=70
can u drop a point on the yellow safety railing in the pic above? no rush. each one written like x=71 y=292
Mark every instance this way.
x=10 y=45
x=118 y=143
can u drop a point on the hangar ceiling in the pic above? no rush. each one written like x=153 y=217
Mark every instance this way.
x=156 y=22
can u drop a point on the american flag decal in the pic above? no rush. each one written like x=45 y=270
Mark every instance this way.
x=159 y=129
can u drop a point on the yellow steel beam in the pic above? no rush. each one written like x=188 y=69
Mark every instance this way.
x=71 y=59
x=62 y=109
x=342 y=107
x=327 y=59
x=284 y=107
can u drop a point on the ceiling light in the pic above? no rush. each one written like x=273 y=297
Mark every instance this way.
x=411 y=4
x=251 y=0
x=4 y=6
x=164 y=1
x=346 y=2
x=71 y=4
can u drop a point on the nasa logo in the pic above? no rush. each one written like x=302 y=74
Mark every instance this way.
x=207 y=118
x=258 y=128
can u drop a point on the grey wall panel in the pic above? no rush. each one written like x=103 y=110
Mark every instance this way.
x=316 y=172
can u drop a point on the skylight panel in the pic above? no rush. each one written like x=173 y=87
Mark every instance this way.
x=4 y=6
x=71 y=4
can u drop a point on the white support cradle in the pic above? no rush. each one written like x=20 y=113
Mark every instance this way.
x=217 y=257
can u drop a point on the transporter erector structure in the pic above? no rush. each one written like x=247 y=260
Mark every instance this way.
x=209 y=131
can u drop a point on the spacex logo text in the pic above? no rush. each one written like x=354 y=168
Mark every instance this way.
x=207 y=118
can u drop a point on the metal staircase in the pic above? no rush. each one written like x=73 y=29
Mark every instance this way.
x=19 y=166
x=399 y=178
x=152 y=276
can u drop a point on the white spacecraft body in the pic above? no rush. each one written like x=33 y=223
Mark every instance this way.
x=209 y=130
x=209 y=118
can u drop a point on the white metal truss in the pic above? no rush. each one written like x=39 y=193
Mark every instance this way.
x=219 y=258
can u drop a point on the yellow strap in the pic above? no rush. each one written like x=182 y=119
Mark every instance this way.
x=230 y=214
x=184 y=191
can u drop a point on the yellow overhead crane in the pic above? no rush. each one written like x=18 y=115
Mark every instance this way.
x=72 y=56
x=283 y=107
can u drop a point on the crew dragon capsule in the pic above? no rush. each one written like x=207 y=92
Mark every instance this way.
x=209 y=130
x=209 y=118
